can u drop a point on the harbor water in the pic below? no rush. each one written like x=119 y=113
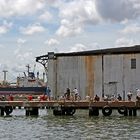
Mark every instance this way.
x=78 y=127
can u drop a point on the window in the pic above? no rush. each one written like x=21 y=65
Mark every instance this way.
x=133 y=63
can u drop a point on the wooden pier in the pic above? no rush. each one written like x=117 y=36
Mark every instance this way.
x=67 y=107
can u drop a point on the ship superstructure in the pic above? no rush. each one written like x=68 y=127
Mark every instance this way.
x=27 y=84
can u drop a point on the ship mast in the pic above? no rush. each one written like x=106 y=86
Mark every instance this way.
x=28 y=69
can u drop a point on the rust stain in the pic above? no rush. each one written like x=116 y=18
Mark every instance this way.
x=89 y=63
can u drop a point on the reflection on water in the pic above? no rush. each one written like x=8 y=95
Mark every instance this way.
x=77 y=127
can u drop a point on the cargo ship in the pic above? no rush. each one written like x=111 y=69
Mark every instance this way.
x=27 y=84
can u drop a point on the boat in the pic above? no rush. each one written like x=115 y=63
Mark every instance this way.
x=27 y=84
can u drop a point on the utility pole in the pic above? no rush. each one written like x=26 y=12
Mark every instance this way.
x=4 y=71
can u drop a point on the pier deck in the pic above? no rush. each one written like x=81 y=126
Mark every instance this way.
x=67 y=103
x=67 y=107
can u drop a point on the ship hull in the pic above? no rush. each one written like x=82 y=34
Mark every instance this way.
x=22 y=90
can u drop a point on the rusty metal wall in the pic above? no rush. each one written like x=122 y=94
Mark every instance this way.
x=76 y=71
x=111 y=74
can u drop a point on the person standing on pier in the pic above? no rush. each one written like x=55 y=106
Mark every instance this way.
x=138 y=94
x=67 y=94
x=75 y=93
x=48 y=93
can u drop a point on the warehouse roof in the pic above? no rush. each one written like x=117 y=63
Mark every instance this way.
x=120 y=50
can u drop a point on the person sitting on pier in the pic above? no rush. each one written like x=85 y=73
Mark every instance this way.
x=119 y=97
x=3 y=98
x=30 y=98
x=67 y=94
x=10 y=98
x=96 y=98
x=43 y=97
x=138 y=94
x=105 y=98
x=129 y=95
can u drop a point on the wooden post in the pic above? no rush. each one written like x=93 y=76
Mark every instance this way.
x=1 y=111
x=32 y=111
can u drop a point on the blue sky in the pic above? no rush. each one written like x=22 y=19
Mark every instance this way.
x=30 y=28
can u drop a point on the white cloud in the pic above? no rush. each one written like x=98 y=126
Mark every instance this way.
x=46 y=16
x=75 y=15
x=31 y=29
x=68 y=28
x=2 y=46
x=118 y=10
x=124 y=42
x=52 y=42
x=78 y=47
x=20 y=7
x=25 y=57
x=80 y=11
x=5 y=27
x=133 y=28
x=21 y=41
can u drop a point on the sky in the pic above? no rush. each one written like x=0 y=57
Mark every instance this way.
x=31 y=28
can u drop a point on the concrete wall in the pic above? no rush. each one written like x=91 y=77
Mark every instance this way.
x=94 y=74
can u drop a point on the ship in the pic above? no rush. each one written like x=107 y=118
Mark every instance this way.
x=27 y=84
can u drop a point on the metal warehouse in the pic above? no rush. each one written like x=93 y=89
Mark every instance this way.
x=103 y=72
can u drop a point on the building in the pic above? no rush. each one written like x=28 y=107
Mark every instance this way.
x=103 y=72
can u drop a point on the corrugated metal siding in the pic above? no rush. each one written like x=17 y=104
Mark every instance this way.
x=132 y=76
x=98 y=85
x=85 y=73
x=113 y=73
x=71 y=74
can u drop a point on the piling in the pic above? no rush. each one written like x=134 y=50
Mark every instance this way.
x=32 y=111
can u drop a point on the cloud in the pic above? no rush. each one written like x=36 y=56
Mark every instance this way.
x=21 y=41
x=133 y=28
x=75 y=15
x=25 y=57
x=52 y=42
x=80 y=11
x=5 y=27
x=46 y=16
x=80 y=47
x=123 y=42
x=31 y=29
x=68 y=28
x=2 y=46
x=20 y=7
x=118 y=11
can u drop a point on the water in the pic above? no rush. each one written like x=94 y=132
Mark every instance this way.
x=77 y=127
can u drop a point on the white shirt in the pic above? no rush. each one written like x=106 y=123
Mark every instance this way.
x=138 y=92
x=75 y=91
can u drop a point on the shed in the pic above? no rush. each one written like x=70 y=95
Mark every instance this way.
x=103 y=72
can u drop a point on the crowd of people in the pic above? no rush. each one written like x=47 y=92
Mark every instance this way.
x=75 y=96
